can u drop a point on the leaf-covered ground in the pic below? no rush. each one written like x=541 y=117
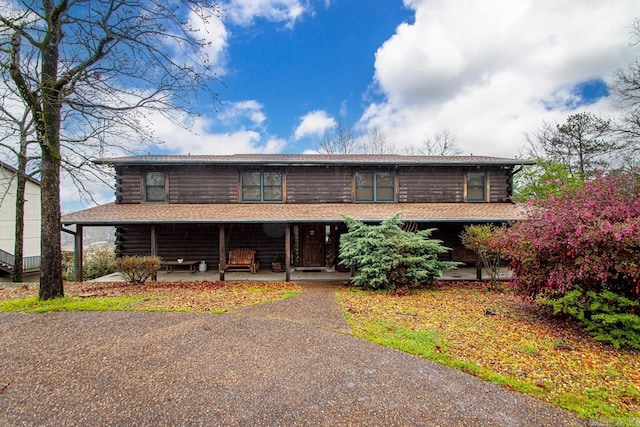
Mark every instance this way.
x=492 y=335
x=213 y=296
x=483 y=332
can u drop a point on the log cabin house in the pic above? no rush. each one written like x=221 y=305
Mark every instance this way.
x=199 y=207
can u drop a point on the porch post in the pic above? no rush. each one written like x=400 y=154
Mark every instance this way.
x=77 y=261
x=154 y=247
x=287 y=252
x=222 y=250
x=478 y=267
x=154 y=241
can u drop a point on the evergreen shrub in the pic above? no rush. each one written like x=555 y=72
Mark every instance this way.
x=388 y=257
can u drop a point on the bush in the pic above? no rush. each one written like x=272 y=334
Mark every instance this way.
x=388 y=257
x=608 y=316
x=68 y=268
x=587 y=236
x=479 y=238
x=96 y=262
x=580 y=248
x=138 y=269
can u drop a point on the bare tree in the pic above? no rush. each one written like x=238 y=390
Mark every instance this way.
x=82 y=62
x=626 y=89
x=17 y=138
x=340 y=139
x=376 y=142
x=440 y=144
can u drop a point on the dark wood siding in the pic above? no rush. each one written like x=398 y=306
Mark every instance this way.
x=199 y=242
x=318 y=185
x=430 y=185
x=203 y=185
x=500 y=185
x=449 y=233
x=128 y=184
x=133 y=240
x=266 y=239
x=310 y=184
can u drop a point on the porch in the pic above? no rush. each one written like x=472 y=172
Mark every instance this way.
x=304 y=236
x=460 y=274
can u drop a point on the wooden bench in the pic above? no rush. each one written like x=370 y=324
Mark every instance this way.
x=171 y=265
x=242 y=259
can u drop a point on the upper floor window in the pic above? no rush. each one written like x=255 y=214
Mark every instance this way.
x=154 y=187
x=262 y=186
x=375 y=187
x=476 y=187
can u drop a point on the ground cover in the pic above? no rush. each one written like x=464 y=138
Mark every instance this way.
x=500 y=338
x=216 y=297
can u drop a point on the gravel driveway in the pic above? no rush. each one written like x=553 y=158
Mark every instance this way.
x=291 y=362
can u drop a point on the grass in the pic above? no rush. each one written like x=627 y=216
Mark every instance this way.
x=211 y=297
x=501 y=339
x=34 y=305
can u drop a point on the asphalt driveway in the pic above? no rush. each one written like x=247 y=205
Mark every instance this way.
x=287 y=363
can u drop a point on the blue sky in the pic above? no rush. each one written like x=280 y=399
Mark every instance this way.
x=325 y=62
x=486 y=71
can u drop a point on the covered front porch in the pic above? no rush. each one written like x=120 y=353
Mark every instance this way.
x=265 y=275
x=306 y=236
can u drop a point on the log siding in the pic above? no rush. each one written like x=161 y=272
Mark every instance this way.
x=312 y=184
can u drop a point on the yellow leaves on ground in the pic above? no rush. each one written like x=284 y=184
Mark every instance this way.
x=212 y=296
x=520 y=341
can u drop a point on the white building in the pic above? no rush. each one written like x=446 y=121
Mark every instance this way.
x=8 y=181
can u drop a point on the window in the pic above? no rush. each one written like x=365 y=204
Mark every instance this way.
x=375 y=187
x=262 y=186
x=154 y=187
x=476 y=187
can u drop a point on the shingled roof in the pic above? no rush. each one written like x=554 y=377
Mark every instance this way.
x=314 y=159
x=114 y=214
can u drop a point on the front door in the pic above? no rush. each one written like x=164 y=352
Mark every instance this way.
x=312 y=245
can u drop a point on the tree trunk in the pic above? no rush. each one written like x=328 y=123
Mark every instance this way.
x=18 y=251
x=51 y=266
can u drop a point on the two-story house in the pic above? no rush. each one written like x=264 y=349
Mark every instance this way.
x=200 y=207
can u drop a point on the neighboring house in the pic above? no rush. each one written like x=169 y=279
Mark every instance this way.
x=31 y=249
x=200 y=207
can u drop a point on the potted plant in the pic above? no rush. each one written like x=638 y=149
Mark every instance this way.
x=277 y=265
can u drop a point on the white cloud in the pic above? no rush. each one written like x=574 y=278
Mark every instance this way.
x=235 y=112
x=489 y=71
x=244 y=12
x=206 y=136
x=216 y=34
x=314 y=123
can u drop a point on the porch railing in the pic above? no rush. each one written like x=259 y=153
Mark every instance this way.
x=29 y=263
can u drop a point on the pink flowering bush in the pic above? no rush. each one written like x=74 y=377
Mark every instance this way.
x=583 y=239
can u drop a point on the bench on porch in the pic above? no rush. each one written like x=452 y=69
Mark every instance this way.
x=242 y=259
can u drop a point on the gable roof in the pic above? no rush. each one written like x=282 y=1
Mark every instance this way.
x=14 y=171
x=115 y=214
x=314 y=159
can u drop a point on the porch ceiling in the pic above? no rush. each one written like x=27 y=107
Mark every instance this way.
x=114 y=214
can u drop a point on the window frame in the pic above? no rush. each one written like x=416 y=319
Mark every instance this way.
x=262 y=187
x=374 y=187
x=484 y=187
x=146 y=186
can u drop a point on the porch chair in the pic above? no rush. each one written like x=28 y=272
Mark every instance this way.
x=242 y=259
